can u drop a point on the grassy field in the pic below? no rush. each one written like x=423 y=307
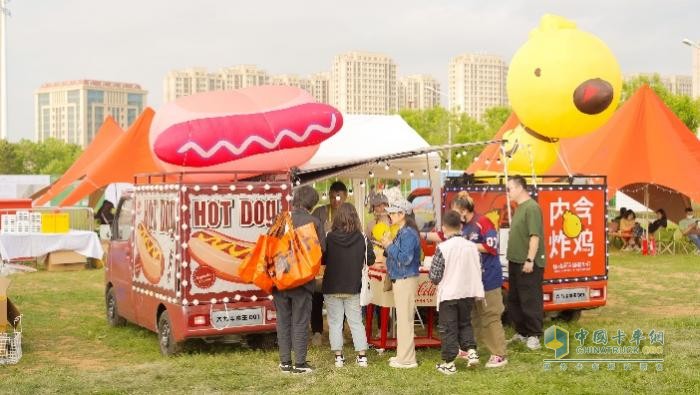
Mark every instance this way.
x=68 y=347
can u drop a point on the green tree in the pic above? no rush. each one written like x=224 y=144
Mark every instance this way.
x=684 y=107
x=51 y=156
x=495 y=117
x=10 y=161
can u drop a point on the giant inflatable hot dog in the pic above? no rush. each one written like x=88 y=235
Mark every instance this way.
x=265 y=128
x=152 y=261
x=220 y=252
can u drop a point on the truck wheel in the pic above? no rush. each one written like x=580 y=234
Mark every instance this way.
x=168 y=345
x=262 y=341
x=113 y=317
x=569 y=315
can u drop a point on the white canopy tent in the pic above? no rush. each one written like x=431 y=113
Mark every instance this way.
x=368 y=143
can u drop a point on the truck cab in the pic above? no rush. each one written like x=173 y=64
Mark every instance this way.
x=173 y=260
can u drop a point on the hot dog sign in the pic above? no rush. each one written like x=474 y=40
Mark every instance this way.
x=155 y=237
x=223 y=230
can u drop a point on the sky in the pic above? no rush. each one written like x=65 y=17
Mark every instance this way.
x=139 y=41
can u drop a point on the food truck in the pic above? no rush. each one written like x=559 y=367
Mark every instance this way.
x=173 y=259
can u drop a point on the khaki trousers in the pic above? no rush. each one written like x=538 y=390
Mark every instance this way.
x=405 y=302
x=486 y=320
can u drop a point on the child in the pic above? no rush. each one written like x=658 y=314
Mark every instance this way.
x=456 y=270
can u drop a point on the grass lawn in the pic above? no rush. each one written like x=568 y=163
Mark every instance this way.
x=68 y=347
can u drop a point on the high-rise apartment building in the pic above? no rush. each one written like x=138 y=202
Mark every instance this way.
x=243 y=76
x=178 y=83
x=73 y=111
x=292 y=80
x=364 y=83
x=477 y=82
x=418 y=92
x=321 y=87
x=676 y=84
x=696 y=69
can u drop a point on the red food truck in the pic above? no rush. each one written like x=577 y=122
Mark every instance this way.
x=174 y=255
x=574 y=212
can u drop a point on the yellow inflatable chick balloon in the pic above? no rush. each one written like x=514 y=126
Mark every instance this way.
x=563 y=82
x=518 y=147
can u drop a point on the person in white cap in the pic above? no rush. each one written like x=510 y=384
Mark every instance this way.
x=402 y=263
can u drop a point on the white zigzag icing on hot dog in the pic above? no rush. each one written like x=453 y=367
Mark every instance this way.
x=190 y=145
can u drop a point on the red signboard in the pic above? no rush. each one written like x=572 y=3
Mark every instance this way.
x=574 y=231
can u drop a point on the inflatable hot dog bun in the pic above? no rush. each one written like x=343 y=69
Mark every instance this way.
x=220 y=252
x=152 y=261
x=265 y=128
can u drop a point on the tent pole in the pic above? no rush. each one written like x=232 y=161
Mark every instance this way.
x=505 y=173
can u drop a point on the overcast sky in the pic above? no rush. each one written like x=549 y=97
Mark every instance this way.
x=140 y=40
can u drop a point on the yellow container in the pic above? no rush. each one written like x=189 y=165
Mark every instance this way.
x=48 y=222
x=62 y=223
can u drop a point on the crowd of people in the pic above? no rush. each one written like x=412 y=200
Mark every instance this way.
x=630 y=231
x=465 y=268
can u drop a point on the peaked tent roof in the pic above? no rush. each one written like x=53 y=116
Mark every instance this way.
x=643 y=143
x=129 y=155
x=108 y=133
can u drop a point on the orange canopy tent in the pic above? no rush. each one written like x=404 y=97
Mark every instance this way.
x=646 y=152
x=644 y=149
x=129 y=155
x=108 y=133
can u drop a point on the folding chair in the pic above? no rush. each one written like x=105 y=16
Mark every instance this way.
x=418 y=319
x=665 y=242
x=684 y=244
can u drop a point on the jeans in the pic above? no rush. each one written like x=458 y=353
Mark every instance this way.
x=348 y=306
x=695 y=238
x=293 y=313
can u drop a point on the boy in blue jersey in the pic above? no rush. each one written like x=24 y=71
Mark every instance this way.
x=486 y=314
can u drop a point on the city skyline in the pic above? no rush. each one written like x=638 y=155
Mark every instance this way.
x=124 y=45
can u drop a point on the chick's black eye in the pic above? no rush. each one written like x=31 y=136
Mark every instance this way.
x=538 y=72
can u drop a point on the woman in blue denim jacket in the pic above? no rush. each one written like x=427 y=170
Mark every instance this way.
x=403 y=262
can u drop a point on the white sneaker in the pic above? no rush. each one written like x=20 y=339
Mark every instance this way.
x=472 y=358
x=361 y=361
x=316 y=339
x=399 y=365
x=392 y=359
x=517 y=338
x=533 y=343
x=339 y=361
x=446 y=368
x=496 y=362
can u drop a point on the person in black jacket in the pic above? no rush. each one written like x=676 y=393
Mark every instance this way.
x=661 y=221
x=294 y=305
x=347 y=251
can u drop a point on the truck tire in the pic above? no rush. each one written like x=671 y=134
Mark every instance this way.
x=113 y=317
x=569 y=315
x=168 y=345
x=262 y=341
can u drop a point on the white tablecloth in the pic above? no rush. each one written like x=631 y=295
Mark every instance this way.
x=26 y=245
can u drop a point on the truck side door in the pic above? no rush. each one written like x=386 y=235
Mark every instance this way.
x=121 y=258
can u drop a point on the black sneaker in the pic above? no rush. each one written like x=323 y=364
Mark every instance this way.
x=286 y=367
x=303 y=368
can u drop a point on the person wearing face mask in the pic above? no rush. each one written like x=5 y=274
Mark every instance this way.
x=337 y=194
x=690 y=227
